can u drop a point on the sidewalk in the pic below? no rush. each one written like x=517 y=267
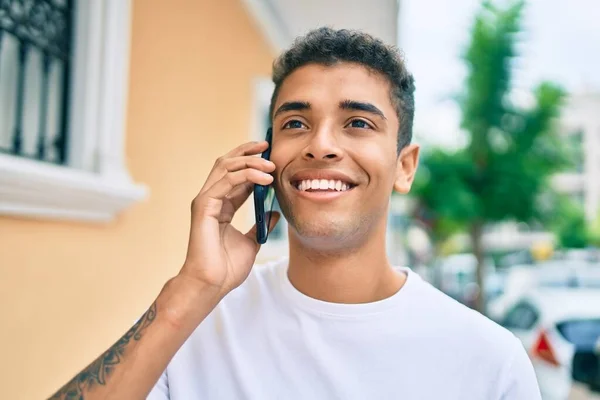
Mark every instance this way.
x=581 y=393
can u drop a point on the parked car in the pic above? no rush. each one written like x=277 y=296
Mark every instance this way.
x=595 y=386
x=551 y=274
x=560 y=328
x=519 y=279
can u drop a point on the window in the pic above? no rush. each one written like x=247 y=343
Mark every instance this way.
x=63 y=91
x=35 y=61
x=583 y=333
x=523 y=316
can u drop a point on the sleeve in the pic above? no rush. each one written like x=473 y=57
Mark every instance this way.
x=160 y=391
x=518 y=380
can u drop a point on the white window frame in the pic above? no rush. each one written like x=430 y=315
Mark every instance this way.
x=96 y=185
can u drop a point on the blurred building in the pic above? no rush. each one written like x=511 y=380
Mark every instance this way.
x=581 y=126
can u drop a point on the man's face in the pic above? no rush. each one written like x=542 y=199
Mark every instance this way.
x=334 y=144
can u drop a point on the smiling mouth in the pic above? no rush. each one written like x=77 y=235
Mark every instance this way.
x=322 y=185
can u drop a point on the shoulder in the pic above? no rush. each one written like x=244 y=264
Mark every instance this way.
x=263 y=277
x=480 y=343
x=460 y=325
x=260 y=288
x=254 y=300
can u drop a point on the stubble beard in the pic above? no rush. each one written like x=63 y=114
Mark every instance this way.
x=344 y=233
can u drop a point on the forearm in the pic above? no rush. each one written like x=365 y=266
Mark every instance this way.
x=132 y=366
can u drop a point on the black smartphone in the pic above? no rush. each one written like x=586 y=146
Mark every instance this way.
x=264 y=196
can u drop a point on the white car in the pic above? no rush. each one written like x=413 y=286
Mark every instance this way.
x=520 y=279
x=560 y=329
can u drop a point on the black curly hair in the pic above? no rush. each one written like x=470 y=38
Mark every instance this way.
x=328 y=46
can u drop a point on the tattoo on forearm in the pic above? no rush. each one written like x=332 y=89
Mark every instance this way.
x=99 y=371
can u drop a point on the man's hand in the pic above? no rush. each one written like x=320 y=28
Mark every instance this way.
x=218 y=254
x=219 y=259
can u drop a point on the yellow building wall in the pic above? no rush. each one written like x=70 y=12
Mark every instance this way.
x=69 y=290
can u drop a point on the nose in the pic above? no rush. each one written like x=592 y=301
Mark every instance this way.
x=323 y=145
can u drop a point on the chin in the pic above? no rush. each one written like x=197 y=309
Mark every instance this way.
x=328 y=234
x=326 y=229
x=319 y=229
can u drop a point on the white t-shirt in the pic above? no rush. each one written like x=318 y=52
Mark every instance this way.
x=266 y=340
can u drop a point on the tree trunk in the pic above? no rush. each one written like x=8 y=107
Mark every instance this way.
x=476 y=233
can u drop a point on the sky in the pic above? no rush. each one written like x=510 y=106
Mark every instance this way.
x=561 y=43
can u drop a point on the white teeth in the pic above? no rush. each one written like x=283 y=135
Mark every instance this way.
x=322 y=184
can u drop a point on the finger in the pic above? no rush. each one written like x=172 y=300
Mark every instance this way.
x=235 y=163
x=275 y=216
x=251 y=234
x=210 y=201
x=234 y=179
x=248 y=149
x=238 y=163
x=240 y=194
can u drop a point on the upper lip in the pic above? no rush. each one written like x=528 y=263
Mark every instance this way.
x=327 y=174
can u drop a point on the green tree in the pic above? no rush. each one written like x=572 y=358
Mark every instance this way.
x=569 y=224
x=594 y=231
x=571 y=227
x=511 y=151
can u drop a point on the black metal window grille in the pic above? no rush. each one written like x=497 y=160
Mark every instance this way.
x=35 y=66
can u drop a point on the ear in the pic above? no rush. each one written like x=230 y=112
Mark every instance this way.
x=406 y=167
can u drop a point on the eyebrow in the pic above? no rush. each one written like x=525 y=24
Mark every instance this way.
x=361 y=106
x=344 y=105
x=292 y=106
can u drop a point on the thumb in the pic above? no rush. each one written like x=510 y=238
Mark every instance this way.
x=275 y=216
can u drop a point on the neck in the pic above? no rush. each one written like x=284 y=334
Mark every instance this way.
x=359 y=275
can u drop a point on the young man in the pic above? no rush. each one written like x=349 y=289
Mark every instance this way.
x=335 y=320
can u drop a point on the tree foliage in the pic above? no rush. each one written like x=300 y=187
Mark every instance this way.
x=512 y=149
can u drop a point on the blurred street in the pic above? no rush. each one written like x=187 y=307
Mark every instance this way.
x=581 y=393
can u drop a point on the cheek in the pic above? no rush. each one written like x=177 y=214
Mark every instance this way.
x=281 y=157
x=282 y=152
x=378 y=163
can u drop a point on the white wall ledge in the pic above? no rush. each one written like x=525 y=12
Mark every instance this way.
x=33 y=189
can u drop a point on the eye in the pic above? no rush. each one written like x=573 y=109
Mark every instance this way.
x=294 y=124
x=360 y=124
